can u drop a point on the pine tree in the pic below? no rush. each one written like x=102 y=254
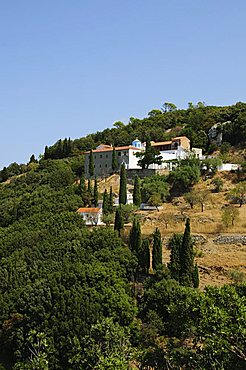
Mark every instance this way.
x=114 y=161
x=137 y=192
x=186 y=257
x=157 y=250
x=174 y=266
x=196 y=278
x=91 y=164
x=123 y=189
x=95 y=193
x=111 y=201
x=144 y=257
x=105 y=206
x=135 y=238
x=149 y=156
x=118 y=223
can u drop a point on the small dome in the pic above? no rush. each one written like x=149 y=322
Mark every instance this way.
x=136 y=143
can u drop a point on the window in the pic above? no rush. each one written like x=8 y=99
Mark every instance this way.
x=124 y=153
x=119 y=154
x=106 y=156
x=100 y=155
x=106 y=165
x=100 y=166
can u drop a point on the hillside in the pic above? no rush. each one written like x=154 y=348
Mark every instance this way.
x=76 y=297
x=217 y=262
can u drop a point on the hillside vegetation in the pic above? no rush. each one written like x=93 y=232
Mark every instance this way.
x=75 y=297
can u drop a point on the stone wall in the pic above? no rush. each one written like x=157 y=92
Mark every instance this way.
x=132 y=173
x=230 y=239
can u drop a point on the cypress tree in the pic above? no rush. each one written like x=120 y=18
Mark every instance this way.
x=95 y=193
x=111 y=201
x=46 y=152
x=105 y=206
x=144 y=258
x=174 y=265
x=65 y=148
x=123 y=189
x=81 y=190
x=186 y=257
x=157 y=250
x=69 y=146
x=33 y=159
x=91 y=164
x=118 y=222
x=114 y=161
x=196 y=278
x=137 y=192
x=135 y=239
x=58 y=150
x=4 y=174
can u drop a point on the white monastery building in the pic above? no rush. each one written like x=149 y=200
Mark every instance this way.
x=175 y=149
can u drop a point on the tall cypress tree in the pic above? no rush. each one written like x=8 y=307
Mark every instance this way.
x=174 y=266
x=137 y=192
x=114 y=160
x=105 y=206
x=123 y=189
x=111 y=201
x=69 y=146
x=118 y=222
x=187 y=257
x=157 y=250
x=144 y=257
x=81 y=190
x=95 y=193
x=46 y=152
x=91 y=164
x=135 y=238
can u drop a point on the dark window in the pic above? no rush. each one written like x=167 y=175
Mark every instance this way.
x=100 y=155
x=100 y=166
x=119 y=154
x=106 y=165
x=106 y=156
x=124 y=153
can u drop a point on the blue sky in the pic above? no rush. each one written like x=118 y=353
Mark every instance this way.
x=71 y=67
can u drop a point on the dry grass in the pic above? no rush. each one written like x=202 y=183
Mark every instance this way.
x=216 y=262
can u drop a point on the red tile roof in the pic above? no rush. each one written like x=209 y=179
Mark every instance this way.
x=111 y=149
x=162 y=143
x=88 y=210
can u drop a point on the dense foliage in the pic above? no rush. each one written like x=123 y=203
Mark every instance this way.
x=56 y=276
